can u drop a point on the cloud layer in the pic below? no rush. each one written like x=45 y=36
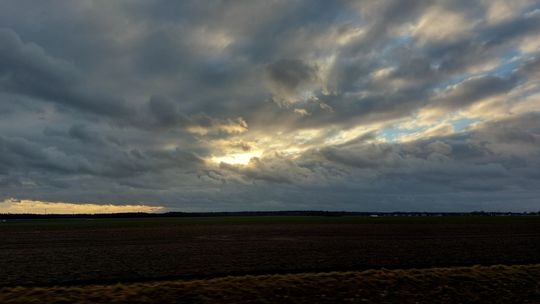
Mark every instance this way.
x=272 y=105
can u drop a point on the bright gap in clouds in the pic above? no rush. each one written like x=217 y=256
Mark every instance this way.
x=236 y=158
x=40 y=207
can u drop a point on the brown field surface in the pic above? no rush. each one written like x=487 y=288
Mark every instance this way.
x=51 y=252
x=495 y=284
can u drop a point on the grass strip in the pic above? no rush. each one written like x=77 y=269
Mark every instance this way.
x=477 y=284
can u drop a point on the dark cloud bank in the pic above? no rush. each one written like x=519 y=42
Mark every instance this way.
x=359 y=105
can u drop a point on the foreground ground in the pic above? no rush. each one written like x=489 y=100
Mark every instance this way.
x=67 y=252
x=495 y=284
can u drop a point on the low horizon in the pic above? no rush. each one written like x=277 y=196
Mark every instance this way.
x=23 y=207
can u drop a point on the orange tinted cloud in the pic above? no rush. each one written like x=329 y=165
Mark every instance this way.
x=40 y=207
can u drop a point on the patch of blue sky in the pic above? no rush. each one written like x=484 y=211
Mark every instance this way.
x=451 y=81
x=389 y=134
x=395 y=43
x=461 y=124
x=350 y=17
x=533 y=9
x=405 y=39
x=530 y=92
x=509 y=62
x=392 y=134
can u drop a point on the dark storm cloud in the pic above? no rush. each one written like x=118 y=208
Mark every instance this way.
x=134 y=100
x=290 y=74
x=26 y=69
x=474 y=90
x=18 y=153
x=287 y=77
x=166 y=112
x=82 y=133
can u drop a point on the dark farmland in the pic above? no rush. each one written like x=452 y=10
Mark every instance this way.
x=48 y=252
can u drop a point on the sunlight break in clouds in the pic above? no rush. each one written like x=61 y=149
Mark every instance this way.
x=39 y=207
x=236 y=158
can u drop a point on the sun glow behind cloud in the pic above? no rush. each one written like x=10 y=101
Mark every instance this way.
x=40 y=207
x=236 y=158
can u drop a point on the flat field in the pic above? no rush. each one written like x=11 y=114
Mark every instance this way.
x=79 y=251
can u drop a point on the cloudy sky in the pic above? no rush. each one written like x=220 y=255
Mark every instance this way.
x=270 y=105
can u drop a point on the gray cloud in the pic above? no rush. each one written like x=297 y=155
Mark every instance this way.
x=288 y=77
x=475 y=90
x=133 y=101
x=26 y=69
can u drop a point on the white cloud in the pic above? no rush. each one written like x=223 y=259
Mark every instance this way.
x=439 y=24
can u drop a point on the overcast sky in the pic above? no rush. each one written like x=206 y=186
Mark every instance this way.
x=271 y=105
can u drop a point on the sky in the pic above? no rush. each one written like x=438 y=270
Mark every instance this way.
x=162 y=105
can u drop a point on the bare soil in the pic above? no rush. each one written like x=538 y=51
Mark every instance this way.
x=132 y=253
